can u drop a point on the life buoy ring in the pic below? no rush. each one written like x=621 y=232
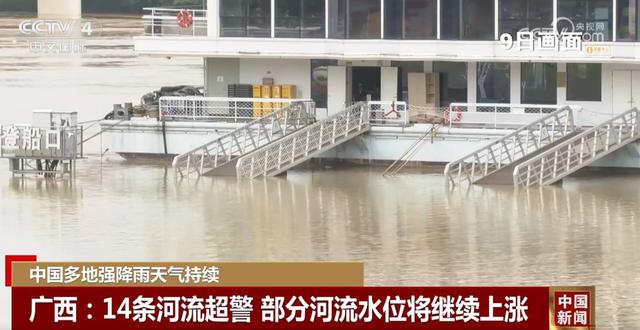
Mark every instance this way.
x=184 y=19
x=453 y=116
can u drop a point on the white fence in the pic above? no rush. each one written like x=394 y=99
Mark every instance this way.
x=198 y=108
x=164 y=22
x=388 y=113
x=230 y=109
x=498 y=114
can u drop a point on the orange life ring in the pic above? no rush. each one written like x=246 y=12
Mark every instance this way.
x=453 y=118
x=184 y=18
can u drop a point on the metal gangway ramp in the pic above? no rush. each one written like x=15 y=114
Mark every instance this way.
x=489 y=164
x=219 y=156
x=568 y=157
x=294 y=149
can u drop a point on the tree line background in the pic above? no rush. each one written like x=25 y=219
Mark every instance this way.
x=104 y=6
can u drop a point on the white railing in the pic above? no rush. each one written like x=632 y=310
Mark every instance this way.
x=388 y=113
x=497 y=114
x=198 y=108
x=306 y=143
x=579 y=151
x=248 y=138
x=511 y=147
x=164 y=22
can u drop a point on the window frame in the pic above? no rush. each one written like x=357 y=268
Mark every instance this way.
x=595 y=92
x=478 y=67
x=555 y=83
x=460 y=22
x=301 y=18
x=246 y=18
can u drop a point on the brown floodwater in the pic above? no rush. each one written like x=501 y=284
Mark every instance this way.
x=409 y=230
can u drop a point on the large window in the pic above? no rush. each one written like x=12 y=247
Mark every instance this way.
x=628 y=20
x=245 y=18
x=494 y=83
x=338 y=19
x=364 y=19
x=453 y=82
x=467 y=19
x=354 y=19
x=299 y=19
x=539 y=85
x=594 y=18
x=410 y=19
x=516 y=15
x=584 y=82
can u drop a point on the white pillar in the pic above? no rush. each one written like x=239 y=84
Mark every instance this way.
x=472 y=86
x=213 y=18
x=273 y=18
x=389 y=83
x=70 y=9
x=381 y=19
x=496 y=13
x=438 y=20
x=515 y=83
x=561 y=97
x=615 y=21
x=336 y=89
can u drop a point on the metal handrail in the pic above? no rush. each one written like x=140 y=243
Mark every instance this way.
x=571 y=155
x=306 y=143
x=511 y=147
x=245 y=139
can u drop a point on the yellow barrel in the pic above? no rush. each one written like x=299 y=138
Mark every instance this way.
x=266 y=91
x=276 y=93
x=266 y=108
x=257 y=106
x=289 y=92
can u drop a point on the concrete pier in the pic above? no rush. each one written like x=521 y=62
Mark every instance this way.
x=65 y=9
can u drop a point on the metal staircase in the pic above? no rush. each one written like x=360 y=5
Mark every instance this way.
x=512 y=148
x=568 y=157
x=219 y=156
x=296 y=148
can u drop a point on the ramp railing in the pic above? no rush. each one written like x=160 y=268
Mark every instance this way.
x=579 y=151
x=306 y=143
x=245 y=139
x=511 y=147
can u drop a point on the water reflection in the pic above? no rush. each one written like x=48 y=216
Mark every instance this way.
x=410 y=230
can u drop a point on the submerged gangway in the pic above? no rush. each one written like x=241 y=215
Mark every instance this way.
x=220 y=155
x=284 y=154
x=406 y=156
x=569 y=156
x=487 y=162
